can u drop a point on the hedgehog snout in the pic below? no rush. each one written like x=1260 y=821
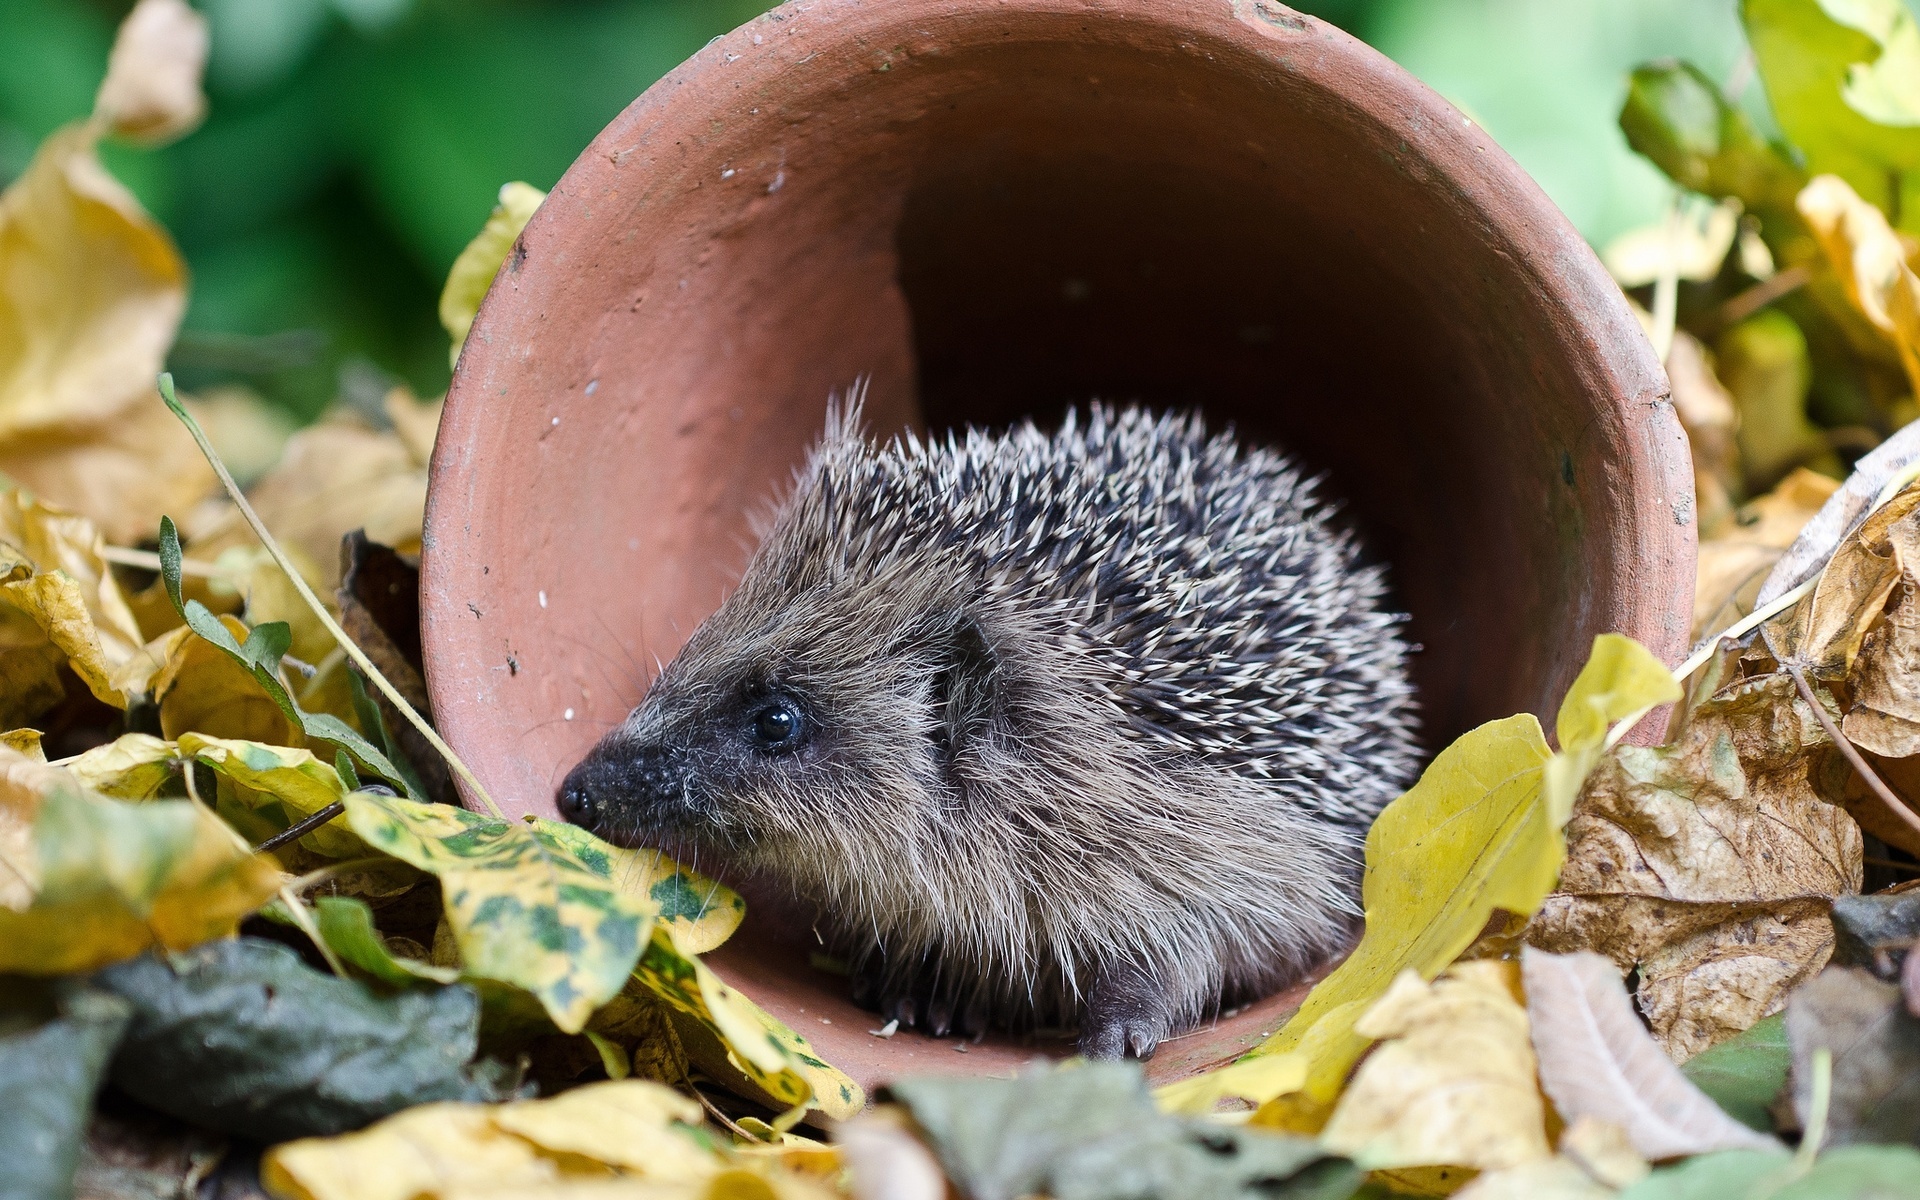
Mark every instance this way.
x=622 y=792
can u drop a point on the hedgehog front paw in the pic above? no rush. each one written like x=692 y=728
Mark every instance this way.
x=920 y=1000
x=1127 y=1013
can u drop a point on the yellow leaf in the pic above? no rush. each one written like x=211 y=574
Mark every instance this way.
x=58 y=603
x=134 y=766
x=473 y=271
x=100 y=880
x=1871 y=261
x=298 y=782
x=772 y=1057
x=26 y=741
x=1255 y=1080
x=152 y=90
x=629 y=1140
x=91 y=293
x=1620 y=683
x=1476 y=834
x=1452 y=1084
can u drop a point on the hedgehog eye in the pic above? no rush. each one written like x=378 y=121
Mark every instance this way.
x=776 y=726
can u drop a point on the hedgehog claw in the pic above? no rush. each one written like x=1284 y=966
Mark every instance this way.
x=939 y=1017
x=1127 y=1012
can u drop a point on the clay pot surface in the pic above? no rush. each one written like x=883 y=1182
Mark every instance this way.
x=996 y=208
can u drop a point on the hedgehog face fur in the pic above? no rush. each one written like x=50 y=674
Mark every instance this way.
x=1083 y=728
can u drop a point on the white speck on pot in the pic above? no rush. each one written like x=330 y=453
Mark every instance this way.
x=959 y=1047
x=543 y=598
x=568 y=715
x=556 y=420
x=633 y=543
x=593 y=385
x=729 y=173
x=779 y=181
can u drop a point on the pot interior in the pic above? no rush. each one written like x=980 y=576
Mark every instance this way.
x=993 y=212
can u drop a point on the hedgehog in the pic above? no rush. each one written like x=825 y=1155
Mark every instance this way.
x=1080 y=730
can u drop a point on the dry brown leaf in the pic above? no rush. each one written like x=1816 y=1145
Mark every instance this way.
x=1871 y=261
x=1885 y=716
x=125 y=473
x=1823 y=634
x=152 y=90
x=59 y=605
x=1598 y=1062
x=1709 y=864
x=1452 y=1083
x=1735 y=564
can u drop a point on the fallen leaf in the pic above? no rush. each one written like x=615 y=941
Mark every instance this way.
x=1598 y=1061
x=1092 y=1133
x=524 y=908
x=49 y=1073
x=101 y=880
x=1476 y=835
x=474 y=269
x=1843 y=513
x=240 y=1036
x=1709 y=865
x=346 y=926
x=634 y=1124
x=59 y=605
x=885 y=1161
x=1693 y=246
x=1251 y=1080
x=1745 y=1073
x=721 y=1028
x=1870 y=260
x=134 y=766
x=1807 y=52
x=296 y=782
x=1848 y=1173
x=1604 y=1151
x=1824 y=633
x=1546 y=1179
x=1863 y=1022
x=152 y=90
x=1452 y=1082
x=379 y=606
x=1735 y=565
x=91 y=293
x=203 y=688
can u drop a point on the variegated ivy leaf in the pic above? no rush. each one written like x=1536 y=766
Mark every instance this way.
x=292 y=781
x=523 y=908
x=778 y=1060
x=700 y=913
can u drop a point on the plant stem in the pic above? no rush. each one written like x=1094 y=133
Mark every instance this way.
x=1892 y=801
x=320 y=610
x=1817 y=1106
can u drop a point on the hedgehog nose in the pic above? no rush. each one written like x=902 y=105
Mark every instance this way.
x=576 y=799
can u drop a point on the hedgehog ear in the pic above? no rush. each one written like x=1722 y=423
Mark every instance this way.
x=964 y=693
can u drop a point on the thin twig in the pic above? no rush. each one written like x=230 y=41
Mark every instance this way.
x=1739 y=307
x=1758 y=616
x=1886 y=794
x=302 y=828
x=320 y=610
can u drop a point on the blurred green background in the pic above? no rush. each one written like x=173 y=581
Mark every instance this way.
x=354 y=146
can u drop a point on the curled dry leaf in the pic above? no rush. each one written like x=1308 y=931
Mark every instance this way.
x=1597 y=1061
x=91 y=293
x=1842 y=513
x=1824 y=633
x=473 y=271
x=152 y=89
x=1885 y=682
x=1452 y=1082
x=1709 y=864
x=59 y=605
x=1871 y=261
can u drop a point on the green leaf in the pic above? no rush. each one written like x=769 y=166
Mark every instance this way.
x=1808 y=52
x=1092 y=1133
x=242 y=1037
x=1743 y=1074
x=1850 y=1173
x=48 y=1077
x=265 y=646
x=1677 y=116
x=700 y=913
x=524 y=907
x=346 y=925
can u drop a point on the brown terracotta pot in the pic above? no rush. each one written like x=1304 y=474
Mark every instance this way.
x=995 y=208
